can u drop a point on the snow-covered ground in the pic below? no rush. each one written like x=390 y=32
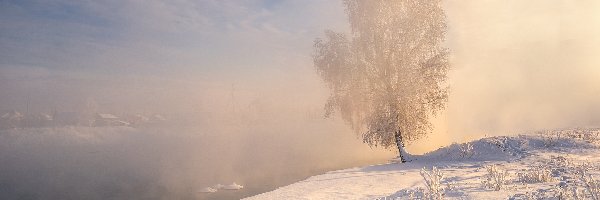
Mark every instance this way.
x=559 y=164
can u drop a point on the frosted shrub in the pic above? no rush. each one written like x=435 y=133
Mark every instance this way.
x=410 y=194
x=590 y=136
x=466 y=150
x=534 y=195
x=500 y=142
x=536 y=175
x=495 y=178
x=508 y=145
x=562 y=192
x=434 y=189
x=433 y=181
x=416 y=194
x=549 y=138
x=592 y=186
x=531 y=195
x=559 y=161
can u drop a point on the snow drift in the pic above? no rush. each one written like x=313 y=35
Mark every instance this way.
x=559 y=164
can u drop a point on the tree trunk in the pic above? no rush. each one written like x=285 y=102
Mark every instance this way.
x=402 y=154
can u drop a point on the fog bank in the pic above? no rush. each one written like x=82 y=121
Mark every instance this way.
x=521 y=66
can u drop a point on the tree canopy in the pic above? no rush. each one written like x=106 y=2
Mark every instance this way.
x=387 y=77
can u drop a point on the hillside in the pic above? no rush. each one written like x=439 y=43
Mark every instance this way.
x=559 y=164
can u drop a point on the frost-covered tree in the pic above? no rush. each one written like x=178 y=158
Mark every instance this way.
x=387 y=78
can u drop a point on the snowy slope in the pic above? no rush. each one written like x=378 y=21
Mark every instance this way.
x=556 y=164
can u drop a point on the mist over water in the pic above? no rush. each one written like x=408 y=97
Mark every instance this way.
x=258 y=135
x=173 y=162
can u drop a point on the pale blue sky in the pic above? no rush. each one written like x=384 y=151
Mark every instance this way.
x=163 y=37
x=149 y=53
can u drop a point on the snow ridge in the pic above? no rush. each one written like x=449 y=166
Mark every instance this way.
x=557 y=164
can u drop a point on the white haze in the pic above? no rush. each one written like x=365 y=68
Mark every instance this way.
x=521 y=66
x=517 y=66
x=258 y=133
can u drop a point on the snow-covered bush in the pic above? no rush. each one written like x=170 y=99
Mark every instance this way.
x=592 y=136
x=588 y=135
x=434 y=190
x=536 y=175
x=410 y=194
x=549 y=138
x=511 y=146
x=495 y=178
x=500 y=142
x=591 y=186
x=559 y=161
x=534 y=195
x=433 y=181
x=466 y=150
x=416 y=194
x=531 y=195
x=583 y=169
x=564 y=192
